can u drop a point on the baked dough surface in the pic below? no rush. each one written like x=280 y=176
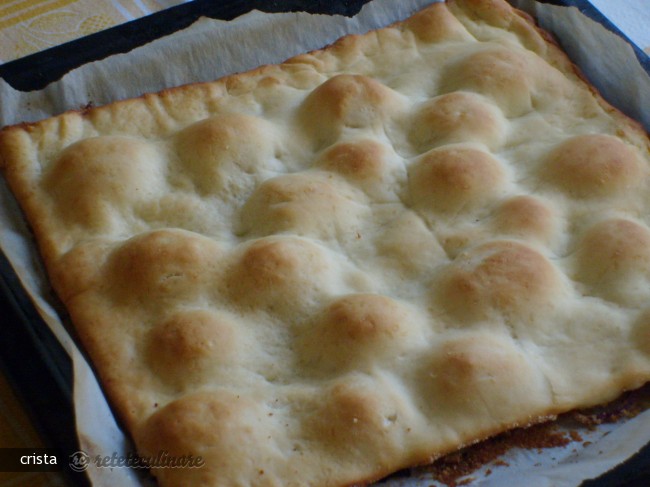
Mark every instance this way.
x=319 y=272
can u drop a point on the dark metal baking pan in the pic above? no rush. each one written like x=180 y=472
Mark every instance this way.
x=35 y=71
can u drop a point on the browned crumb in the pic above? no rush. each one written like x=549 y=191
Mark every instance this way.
x=466 y=481
x=627 y=406
x=575 y=436
x=449 y=469
x=87 y=107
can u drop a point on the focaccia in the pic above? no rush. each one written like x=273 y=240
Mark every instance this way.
x=361 y=259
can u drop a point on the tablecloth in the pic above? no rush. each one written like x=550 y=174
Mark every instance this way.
x=28 y=26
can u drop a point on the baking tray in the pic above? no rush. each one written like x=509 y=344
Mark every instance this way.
x=34 y=362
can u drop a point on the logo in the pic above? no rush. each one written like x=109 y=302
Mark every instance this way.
x=79 y=461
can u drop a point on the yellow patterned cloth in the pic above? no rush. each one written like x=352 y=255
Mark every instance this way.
x=28 y=26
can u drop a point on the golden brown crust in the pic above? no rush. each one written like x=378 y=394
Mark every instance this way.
x=319 y=272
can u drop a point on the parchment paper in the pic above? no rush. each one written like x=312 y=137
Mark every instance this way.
x=210 y=49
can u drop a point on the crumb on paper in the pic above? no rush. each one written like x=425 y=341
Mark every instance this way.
x=453 y=470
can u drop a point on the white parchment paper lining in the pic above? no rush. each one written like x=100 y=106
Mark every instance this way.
x=210 y=49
